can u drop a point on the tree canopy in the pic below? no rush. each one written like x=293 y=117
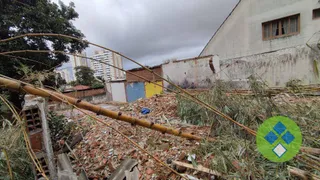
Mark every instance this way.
x=84 y=75
x=40 y=16
x=36 y=16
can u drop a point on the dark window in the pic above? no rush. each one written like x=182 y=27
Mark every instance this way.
x=316 y=13
x=281 y=27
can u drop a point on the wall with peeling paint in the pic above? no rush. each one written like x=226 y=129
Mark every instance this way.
x=241 y=33
x=239 y=43
x=192 y=73
x=275 y=68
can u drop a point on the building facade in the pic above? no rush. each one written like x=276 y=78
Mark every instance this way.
x=268 y=39
x=79 y=61
x=102 y=69
x=198 y=72
x=65 y=74
x=137 y=87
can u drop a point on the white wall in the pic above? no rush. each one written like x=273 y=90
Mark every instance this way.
x=275 y=68
x=118 y=91
x=188 y=71
x=241 y=34
x=242 y=51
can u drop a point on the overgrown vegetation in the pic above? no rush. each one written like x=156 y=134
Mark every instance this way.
x=235 y=151
x=11 y=139
x=60 y=129
x=85 y=76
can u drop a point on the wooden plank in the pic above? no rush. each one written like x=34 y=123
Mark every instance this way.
x=198 y=168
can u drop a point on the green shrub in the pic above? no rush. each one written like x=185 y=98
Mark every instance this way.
x=60 y=129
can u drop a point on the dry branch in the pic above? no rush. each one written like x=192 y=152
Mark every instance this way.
x=302 y=174
x=198 y=168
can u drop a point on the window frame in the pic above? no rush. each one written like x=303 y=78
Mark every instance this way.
x=279 y=22
x=314 y=14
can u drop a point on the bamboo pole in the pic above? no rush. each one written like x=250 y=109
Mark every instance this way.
x=8 y=163
x=200 y=102
x=308 y=150
x=22 y=87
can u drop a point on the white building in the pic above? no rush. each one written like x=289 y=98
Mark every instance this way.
x=79 y=61
x=65 y=74
x=102 y=69
x=268 y=38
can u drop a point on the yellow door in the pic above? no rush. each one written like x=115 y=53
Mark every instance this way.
x=152 y=89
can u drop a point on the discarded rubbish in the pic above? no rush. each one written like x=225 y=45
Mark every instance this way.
x=145 y=111
x=191 y=157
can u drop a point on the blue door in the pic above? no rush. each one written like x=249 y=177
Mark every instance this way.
x=135 y=91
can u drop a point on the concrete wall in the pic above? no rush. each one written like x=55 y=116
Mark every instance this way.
x=86 y=93
x=118 y=91
x=97 y=99
x=192 y=73
x=241 y=34
x=243 y=52
x=152 y=89
x=144 y=73
x=275 y=68
x=135 y=91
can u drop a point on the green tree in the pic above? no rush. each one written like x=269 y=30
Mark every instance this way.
x=54 y=80
x=97 y=84
x=36 y=16
x=84 y=75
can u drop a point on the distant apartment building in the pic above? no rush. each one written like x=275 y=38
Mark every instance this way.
x=65 y=74
x=102 y=69
x=79 y=61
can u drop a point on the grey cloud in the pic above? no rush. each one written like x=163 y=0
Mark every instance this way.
x=151 y=31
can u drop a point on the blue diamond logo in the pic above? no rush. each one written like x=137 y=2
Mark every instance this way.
x=279 y=128
x=271 y=137
x=288 y=137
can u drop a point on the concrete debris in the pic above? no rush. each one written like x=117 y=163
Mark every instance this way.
x=126 y=166
x=102 y=150
x=65 y=170
x=133 y=175
x=159 y=104
x=198 y=168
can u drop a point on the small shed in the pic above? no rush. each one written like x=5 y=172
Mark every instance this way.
x=143 y=87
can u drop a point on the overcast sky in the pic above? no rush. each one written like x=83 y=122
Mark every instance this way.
x=151 y=31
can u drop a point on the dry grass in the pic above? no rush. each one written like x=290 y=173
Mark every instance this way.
x=11 y=139
x=235 y=152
